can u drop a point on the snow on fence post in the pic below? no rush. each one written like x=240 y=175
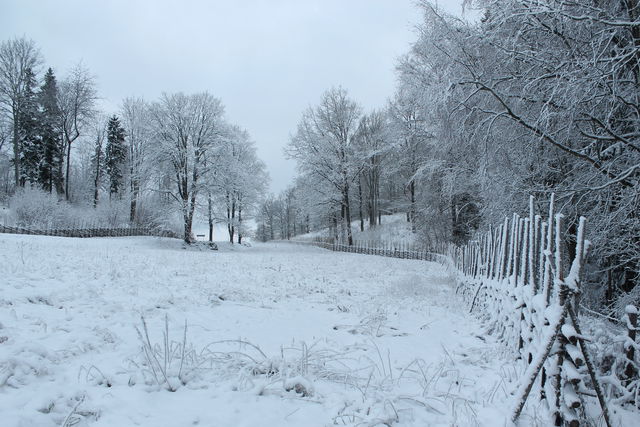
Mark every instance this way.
x=556 y=368
x=516 y=250
x=512 y=234
x=630 y=370
x=524 y=253
x=547 y=282
x=516 y=273
x=521 y=284
x=532 y=241
x=503 y=249
x=491 y=245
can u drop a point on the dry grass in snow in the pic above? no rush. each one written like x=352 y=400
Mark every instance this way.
x=139 y=331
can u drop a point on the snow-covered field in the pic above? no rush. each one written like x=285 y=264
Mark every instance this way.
x=276 y=334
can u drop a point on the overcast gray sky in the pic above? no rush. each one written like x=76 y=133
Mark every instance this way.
x=266 y=60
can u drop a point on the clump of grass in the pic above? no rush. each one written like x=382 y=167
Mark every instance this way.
x=165 y=361
x=386 y=391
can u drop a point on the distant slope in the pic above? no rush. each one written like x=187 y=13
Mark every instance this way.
x=393 y=229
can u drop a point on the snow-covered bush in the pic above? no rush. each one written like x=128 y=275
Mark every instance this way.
x=110 y=213
x=154 y=212
x=32 y=207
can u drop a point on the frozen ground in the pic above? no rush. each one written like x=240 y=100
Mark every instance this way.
x=344 y=339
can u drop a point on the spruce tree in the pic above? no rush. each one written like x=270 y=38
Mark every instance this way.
x=50 y=175
x=115 y=155
x=28 y=132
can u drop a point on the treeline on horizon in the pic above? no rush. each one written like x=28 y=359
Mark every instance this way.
x=159 y=163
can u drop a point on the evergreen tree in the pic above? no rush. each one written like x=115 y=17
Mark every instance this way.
x=51 y=166
x=28 y=132
x=115 y=155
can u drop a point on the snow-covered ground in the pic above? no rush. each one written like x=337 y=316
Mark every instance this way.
x=276 y=335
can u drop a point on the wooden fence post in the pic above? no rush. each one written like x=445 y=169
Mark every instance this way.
x=547 y=279
x=630 y=371
x=533 y=230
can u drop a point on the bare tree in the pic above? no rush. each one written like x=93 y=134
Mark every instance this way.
x=322 y=146
x=187 y=127
x=77 y=107
x=99 y=134
x=238 y=181
x=409 y=124
x=372 y=146
x=136 y=121
x=5 y=132
x=18 y=56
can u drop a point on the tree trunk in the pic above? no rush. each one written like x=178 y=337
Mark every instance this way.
x=347 y=212
x=412 y=189
x=271 y=233
x=16 y=147
x=343 y=229
x=59 y=183
x=374 y=190
x=239 y=225
x=231 y=215
x=188 y=208
x=187 y=228
x=288 y=222
x=360 y=203
x=135 y=190
x=210 y=216
x=66 y=178
x=95 y=194
x=96 y=181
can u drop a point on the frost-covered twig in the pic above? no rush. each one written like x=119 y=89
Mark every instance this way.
x=69 y=419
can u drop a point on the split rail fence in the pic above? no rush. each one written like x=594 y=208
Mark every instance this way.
x=524 y=282
x=402 y=250
x=83 y=230
x=521 y=277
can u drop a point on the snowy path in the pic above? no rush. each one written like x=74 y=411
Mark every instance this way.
x=365 y=339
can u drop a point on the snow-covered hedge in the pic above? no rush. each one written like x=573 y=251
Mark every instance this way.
x=34 y=209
